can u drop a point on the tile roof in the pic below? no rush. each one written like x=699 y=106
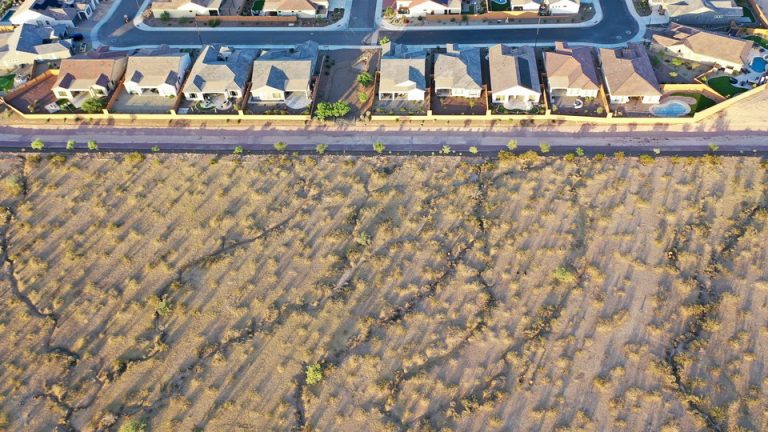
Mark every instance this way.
x=458 y=69
x=628 y=72
x=706 y=43
x=571 y=68
x=212 y=73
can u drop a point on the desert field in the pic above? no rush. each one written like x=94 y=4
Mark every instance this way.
x=274 y=293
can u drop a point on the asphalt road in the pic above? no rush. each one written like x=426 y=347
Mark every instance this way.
x=617 y=26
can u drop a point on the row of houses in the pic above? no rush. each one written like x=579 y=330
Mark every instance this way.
x=54 y=12
x=514 y=82
x=192 y=8
x=422 y=8
x=218 y=73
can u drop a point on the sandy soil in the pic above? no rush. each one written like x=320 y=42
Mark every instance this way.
x=194 y=293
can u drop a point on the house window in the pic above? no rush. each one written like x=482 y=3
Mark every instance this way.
x=192 y=96
x=233 y=93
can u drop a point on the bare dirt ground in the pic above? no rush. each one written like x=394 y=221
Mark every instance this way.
x=190 y=292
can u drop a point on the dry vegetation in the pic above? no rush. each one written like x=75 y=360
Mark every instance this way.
x=198 y=293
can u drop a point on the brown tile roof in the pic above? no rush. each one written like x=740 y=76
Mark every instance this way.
x=706 y=43
x=571 y=68
x=628 y=72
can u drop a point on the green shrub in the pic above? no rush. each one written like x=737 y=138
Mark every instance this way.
x=37 y=145
x=133 y=425
x=314 y=374
x=379 y=147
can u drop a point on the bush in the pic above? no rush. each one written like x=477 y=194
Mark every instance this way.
x=165 y=16
x=445 y=150
x=314 y=374
x=362 y=97
x=545 y=148
x=512 y=144
x=280 y=146
x=473 y=150
x=238 y=150
x=133 y=425
x=37 y=145
x=92 y=145
x=379 y=147
x=155 y=148
x=365 y=78
x=646 y=159
x=135 y=157
x=93 y=105
x=321 y=148
x=71 y=144
x=331 y=109
x=564 y=275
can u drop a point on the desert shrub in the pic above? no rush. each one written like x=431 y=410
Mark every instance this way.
x=314 y=373
x=58 y=160
x=579 y=151
x=646 y=159
x=134 y=157
x=321 y=148
x=379 y=147
x=512 y=144
x=473 y=150
x=564 y=275
x=13 y=184
x=445 y=150
x=545 y=148
x=92 y=145
x=619 y=155
x=280 y=146
x=163 y=308
x=70 y=144
x=133 y=425
x=238 y=150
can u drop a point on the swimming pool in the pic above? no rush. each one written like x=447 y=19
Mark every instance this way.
x=673 y=108
x=758 y=64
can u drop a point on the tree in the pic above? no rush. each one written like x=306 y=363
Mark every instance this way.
x=93 y=105
x=92 y=145
x=155 y=148
x=37 y=145
x=314 y=374
x=384 y=41
x=326 y=110
x=165 y=16
x=71 y=144
x=713 y=147
x=321 y=148
x=365 y=78
x=238 y=150
x=512 y=144
x=280 y=146
x=473 y=150
x=445 y=150
x=545 y=148
x=579 y=151
x=362 y=97
x=379 y=147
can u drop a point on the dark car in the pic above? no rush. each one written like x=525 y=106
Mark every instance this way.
x=77 y=37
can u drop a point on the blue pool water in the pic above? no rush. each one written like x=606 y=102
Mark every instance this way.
x=758 y=64
x=670 y=109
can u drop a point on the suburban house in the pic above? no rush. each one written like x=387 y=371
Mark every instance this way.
x=701 y=12
x=28 y=44
x=285 y=76
x=422 y=8
x=524 y=5
x=571 y=72
x=298 y=8
x=629 y=75
x=564 y=7
x=402 y=75
x=219 y=71
x=160 y=74
x=48 y=13
x=514 y=77
x=185 y=8
x=458 y=73
x=704 y=47
x=81 y=78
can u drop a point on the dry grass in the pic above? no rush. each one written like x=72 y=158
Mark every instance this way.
x=195 y=293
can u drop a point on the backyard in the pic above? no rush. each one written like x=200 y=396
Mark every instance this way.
x=702 y=102
x=6 y=82
x=722 y=85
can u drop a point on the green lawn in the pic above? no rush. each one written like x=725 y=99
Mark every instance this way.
x=6 y=82
x=723 y=86
x=258 y=5
x=702 y=102
x=758 y=40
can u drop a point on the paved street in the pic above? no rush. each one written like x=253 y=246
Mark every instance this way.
x=617 y=27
